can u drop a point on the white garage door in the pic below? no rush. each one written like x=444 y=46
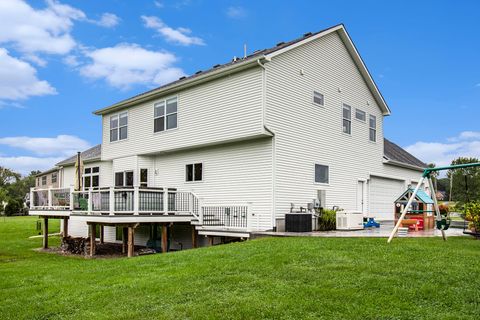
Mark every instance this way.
x=383 y=192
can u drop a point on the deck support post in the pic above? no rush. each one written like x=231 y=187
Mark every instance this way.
x=102 y=229
x=65 y=227
x=45 y=233
x=131 y=242
x=210 y=240
x=93 y=229
x=194 y=237
x=164 y=238
x=124 y=239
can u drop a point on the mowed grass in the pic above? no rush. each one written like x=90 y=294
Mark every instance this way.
x=275 y=278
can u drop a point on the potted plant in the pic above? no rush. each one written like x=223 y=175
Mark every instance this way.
x=472 y=214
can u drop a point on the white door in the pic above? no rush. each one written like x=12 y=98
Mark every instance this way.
x=383 y=193
x=361 y=196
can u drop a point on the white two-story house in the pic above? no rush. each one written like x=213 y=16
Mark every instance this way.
x=232 y=147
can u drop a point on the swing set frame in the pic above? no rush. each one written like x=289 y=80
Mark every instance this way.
x=426 y=177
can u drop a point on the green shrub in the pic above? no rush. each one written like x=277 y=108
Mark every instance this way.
x=13 y=207
x=472 y=214
x=327 y=220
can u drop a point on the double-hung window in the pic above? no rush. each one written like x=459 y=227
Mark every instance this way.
x=119 y=127
x=44 y=180
x=54 y=177
x=347 y=119
x=194 y=172
x=321 y=173
x=373 y=128
x=165 y=115
x=91 y=177
x=124 y=179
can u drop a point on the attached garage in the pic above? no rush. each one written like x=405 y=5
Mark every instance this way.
x=382 y=194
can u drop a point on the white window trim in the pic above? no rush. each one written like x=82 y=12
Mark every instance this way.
x=91 y=175
x=321 y=183
x=341 y=124
x=316 y=103
x=203 y=172
x=165 y=115
x=124 y=178
x=140 y=177
x=366 y=114
x=372 y=128
x=117 y=115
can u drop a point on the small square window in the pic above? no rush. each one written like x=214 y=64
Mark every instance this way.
x=360 y=115
x=194 y=172
x=321 y=173
x=318 y=98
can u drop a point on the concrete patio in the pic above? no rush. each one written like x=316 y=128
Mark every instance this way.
x=384 y=231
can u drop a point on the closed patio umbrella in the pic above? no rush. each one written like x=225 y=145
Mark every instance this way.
x=78 y=172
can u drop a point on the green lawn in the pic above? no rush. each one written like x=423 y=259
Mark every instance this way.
x=276 y=278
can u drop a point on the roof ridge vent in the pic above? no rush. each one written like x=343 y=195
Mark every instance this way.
x=216 y=66
x=280 y=43
x=307 y=34
x=181 y=78
x=234 y=59
x=198 y=72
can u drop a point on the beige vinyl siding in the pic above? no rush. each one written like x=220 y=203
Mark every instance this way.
x=105 y=167
x=306 y=134
x=232 y=174
x=224 y=109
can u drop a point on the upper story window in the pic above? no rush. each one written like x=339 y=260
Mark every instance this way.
x=165 y=115
x=347 y=119
x=119 y=127
x=194 y=172
x=44 y=180
x=91 y=177
x=321 y=173
x=373 y=128
x=54 y=177
x=318 y=98
x=360 y=115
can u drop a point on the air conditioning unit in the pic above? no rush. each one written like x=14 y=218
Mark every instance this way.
x=349 y=220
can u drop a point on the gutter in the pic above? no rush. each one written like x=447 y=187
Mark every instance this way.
x=183 y=84
x=403 y=165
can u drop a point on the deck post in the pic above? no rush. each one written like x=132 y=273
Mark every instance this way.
x=93 y=228
x=102 y=229
x=124 y=239
x=32 y=204
x=71 y=198
x=111 y=201
x=165 y=200
x=136 y=200
x=65 y=227
x=50 y=198
x=45 y=233
x=89 y=202
x=131 y=242
x=210 y=240
x=194 y=237
x=164 y=238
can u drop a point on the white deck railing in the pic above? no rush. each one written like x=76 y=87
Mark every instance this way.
x=140 y=201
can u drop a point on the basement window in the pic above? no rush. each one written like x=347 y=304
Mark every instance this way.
x=321 y=173
x=347 y=119
x=373 y=128
x=194 y=172
x=318 y=98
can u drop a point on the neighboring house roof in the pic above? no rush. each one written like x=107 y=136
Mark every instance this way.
x=251 y=60
x=396 y=154
x=47 y=171
x=91 y=154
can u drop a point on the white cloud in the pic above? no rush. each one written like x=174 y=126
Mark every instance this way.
x=236 y=12
x=71 y=60
x=466 y=144
x=127 y=64
x=179 y=35
x=26 y=164
x=46 y=30
x=60 y=146
x=108 y=20
x=158 y=4
x=18 y=79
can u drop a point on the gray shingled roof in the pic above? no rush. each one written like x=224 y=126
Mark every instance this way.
x=255 y=55
x=396 y=153
x=93 y=153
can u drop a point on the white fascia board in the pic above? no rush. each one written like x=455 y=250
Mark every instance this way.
x=207 y=76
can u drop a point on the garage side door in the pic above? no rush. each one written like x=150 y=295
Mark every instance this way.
x=383 y=192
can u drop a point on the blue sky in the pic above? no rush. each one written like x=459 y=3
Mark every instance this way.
x=60 y=60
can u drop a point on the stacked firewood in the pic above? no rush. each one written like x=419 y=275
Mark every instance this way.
x=75 y=245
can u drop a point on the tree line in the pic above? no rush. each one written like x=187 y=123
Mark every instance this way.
x=13 y=189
